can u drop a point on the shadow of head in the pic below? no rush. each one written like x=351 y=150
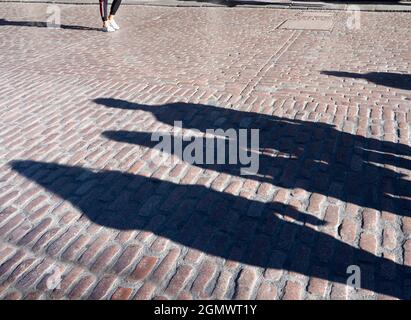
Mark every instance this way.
x=181 y=107
x=388 y=79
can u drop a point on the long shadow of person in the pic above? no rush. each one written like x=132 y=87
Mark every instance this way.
x=41 y=24
x=388 y=79
x=295 y=153
x=216 y=223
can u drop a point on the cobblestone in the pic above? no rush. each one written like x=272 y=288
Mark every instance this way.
x=78 y=190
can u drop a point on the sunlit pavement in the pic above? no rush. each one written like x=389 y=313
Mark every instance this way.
x=84 y=213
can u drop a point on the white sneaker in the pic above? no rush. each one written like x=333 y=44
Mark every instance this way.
x=113 y=24
x=108 y=28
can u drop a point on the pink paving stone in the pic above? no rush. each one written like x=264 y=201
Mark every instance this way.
x=204 y=277
x=246 y=283
x=370 y=219
x=389 y=238
x=332 y=216
x=222 y=285
x=267 y=291
x=179 y=280
x=368 y=242
x=145 y=292
x=349 y=230
x=122 y=293
x=318 y=287
x=293 y=291
x=144 y=267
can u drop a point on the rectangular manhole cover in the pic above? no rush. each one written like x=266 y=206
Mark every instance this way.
x=316 y=25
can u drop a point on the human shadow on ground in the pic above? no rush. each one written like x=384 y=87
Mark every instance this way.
x=297 y=154
x=252 y=232
x=41 y=24
x=388 y=79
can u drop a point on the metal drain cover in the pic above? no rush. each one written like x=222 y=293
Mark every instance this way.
x=316 y=25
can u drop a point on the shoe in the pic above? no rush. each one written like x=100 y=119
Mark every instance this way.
x=113 y=24
x=108 y=28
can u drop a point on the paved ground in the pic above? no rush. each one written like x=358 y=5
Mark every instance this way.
x=81 y=202
x=374 y=6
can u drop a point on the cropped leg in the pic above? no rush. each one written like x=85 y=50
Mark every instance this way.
x=114 y=7
x=104 y=9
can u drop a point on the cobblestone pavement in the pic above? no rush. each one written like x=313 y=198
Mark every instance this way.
x=85 y=213
x=400 y=6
